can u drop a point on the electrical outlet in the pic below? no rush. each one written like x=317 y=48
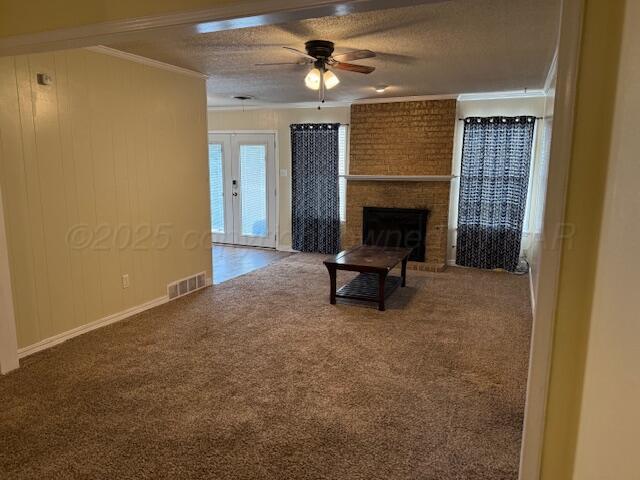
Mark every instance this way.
x=125 y=280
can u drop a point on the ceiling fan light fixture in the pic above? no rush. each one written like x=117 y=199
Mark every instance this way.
x=330 y=79
x=312 y=80
x=381 y=88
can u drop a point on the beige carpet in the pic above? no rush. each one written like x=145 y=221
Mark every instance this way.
x=260 y=378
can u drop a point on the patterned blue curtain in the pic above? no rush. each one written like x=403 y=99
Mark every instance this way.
x=496 y=154
x=314 y=196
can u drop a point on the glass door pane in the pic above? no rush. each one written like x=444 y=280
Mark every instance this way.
x=253 y=190
x=220 y=188
x=216 y=183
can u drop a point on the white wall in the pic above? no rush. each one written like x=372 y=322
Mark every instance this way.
x=278 y=120
x=608 y=439
x=485 y=108
x=116 y=152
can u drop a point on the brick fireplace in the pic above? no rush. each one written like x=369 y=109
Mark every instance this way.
x=402 y=139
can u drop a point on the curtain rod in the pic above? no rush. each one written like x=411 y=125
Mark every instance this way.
x=537 y=118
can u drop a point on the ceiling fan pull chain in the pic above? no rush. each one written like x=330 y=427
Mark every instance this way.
x=321 y=91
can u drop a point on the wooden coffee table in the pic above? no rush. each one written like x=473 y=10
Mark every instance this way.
x=374 y=283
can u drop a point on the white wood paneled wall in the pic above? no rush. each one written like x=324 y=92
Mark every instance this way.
x=111 y=146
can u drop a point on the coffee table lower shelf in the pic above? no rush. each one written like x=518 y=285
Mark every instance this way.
x=365 y=287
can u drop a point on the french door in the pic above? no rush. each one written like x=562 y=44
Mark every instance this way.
x=243 y=188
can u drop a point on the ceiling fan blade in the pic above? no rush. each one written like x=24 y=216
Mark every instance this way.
x=354 y=55
x=298 y=52
x=352 y=67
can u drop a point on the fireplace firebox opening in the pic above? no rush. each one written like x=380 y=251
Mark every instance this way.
x=396 y=227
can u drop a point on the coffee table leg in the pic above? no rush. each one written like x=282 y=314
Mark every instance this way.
x=404 y=272
x=332 y=281
x=382 y=278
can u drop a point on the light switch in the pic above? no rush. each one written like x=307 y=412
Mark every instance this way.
x=283 y=172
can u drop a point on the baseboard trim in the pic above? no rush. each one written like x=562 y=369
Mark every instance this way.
x=532 y=294
x=286 y=248
x=102 y=322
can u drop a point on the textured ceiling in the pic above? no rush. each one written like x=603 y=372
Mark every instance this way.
x=454 y=46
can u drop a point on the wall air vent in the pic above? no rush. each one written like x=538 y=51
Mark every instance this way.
x=186 y=285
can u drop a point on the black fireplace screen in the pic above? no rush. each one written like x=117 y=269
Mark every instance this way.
x=396 y=227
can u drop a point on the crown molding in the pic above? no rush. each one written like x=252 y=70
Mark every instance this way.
x=145 y=61
x=511 y=94
x=414 y=98
x=535 y=93
x=551 y=75
x=278 y=106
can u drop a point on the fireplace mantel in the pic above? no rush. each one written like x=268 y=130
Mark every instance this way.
x=400 y=178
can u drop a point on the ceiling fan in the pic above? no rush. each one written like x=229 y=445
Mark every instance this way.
x=320 y=55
